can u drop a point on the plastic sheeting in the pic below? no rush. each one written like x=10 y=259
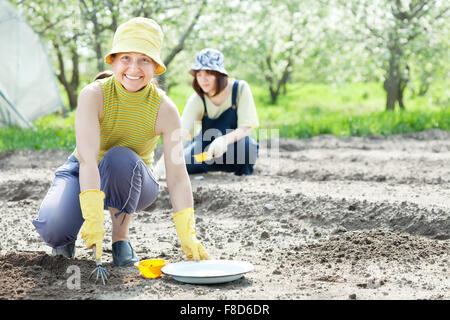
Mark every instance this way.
x=28 y=88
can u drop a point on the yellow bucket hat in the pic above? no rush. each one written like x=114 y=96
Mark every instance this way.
x=141 y=35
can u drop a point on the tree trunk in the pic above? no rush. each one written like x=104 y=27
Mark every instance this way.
x=73 y=98
x=99 y=54
x=401 y=90
x=98 y=44
x=392 y=83
x=269 y=78
x=391 y=87
x=273 y=95
x=70 y=87
x=90 y=15
x=162 y=83
x=284 y=78
x=161 y=80
x=423 y=89
x=276 y=86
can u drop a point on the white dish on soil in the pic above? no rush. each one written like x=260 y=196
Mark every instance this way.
x=207 y=271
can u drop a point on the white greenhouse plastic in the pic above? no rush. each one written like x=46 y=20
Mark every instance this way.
x=28 y=88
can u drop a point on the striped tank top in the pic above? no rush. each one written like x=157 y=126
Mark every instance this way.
x=128 y=119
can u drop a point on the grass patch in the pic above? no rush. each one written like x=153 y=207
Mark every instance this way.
x=374 y=123
x=51 y=132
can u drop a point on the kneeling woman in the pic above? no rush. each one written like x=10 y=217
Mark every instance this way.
x=227 y=113
x=118 y=123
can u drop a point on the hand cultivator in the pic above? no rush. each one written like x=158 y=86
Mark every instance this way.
x=99 y=271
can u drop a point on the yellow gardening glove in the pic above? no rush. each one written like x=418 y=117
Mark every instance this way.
x=93 y=230
x=185 y=226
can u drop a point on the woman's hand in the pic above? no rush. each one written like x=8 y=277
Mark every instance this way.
x=220 y=145
x=93 y=230
x=217 y=148
x=185 y=225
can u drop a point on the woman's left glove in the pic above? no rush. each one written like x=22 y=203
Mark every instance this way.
x=185 y=226
x=93 y=230
x=217 y=148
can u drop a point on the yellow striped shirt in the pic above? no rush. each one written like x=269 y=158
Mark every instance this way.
x=128 y=119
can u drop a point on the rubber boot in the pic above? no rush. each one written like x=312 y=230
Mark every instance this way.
x=123 y=254
x=68 y=250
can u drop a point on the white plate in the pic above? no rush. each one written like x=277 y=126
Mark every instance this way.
x=207 y=271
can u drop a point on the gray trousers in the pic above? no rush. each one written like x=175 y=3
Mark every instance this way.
x=126 y=180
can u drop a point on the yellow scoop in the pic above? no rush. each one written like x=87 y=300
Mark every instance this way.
x=201 y=156
x=151 y=268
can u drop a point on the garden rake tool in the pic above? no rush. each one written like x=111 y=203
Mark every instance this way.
x=99 y=271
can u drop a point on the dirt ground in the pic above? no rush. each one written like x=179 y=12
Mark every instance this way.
x=326 y=218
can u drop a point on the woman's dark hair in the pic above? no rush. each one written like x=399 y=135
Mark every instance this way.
x=221 y=82
x=103 y=74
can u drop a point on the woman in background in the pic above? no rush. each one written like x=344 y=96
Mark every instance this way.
x=227 y=112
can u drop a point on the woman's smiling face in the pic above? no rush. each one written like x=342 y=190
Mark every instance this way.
x=134 y=70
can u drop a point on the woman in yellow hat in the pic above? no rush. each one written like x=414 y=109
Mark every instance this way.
x=118 y=122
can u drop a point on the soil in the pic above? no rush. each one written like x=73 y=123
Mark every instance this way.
x=322 y=218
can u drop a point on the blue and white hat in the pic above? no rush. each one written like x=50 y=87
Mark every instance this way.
x=209 y=59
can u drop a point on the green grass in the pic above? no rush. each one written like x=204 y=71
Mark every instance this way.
x=374 y=123
x=52 y=132
x=305 y=111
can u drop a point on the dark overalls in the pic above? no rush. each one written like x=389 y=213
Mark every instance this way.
x=240 y=156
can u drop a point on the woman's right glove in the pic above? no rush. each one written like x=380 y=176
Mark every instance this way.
x=93 y=230
x=185 y=226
